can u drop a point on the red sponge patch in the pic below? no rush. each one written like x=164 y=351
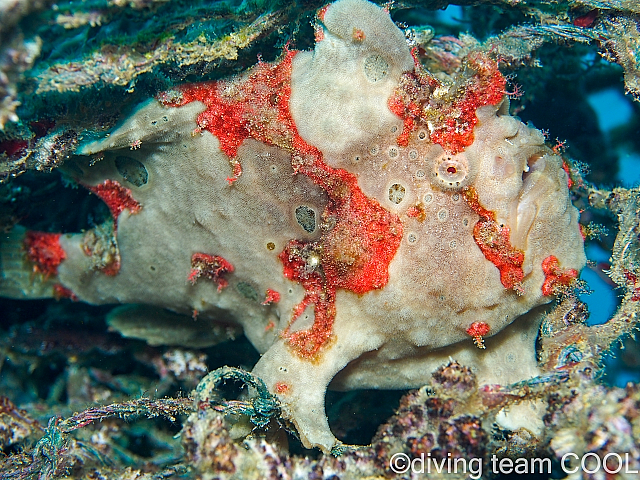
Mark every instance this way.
x=44 y=251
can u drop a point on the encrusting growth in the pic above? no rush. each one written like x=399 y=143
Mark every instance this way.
x=44 y=252
x=493 y=240
x=556 y=279
x=212 y=267
x=117 y=198
x=477 y=330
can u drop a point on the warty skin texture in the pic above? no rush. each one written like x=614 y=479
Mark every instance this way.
x=332 y=146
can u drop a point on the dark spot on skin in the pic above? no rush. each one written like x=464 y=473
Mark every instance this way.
x=306 y=218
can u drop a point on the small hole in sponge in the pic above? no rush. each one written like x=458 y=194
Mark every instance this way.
x=396 y=193
x=132 y=170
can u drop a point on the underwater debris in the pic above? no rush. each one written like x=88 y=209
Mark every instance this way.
x=16 y=57
x=15 y=424
x=449 y=421
x=41 y=153
x=260 y=409
x=56 y=455
x=125 y=66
